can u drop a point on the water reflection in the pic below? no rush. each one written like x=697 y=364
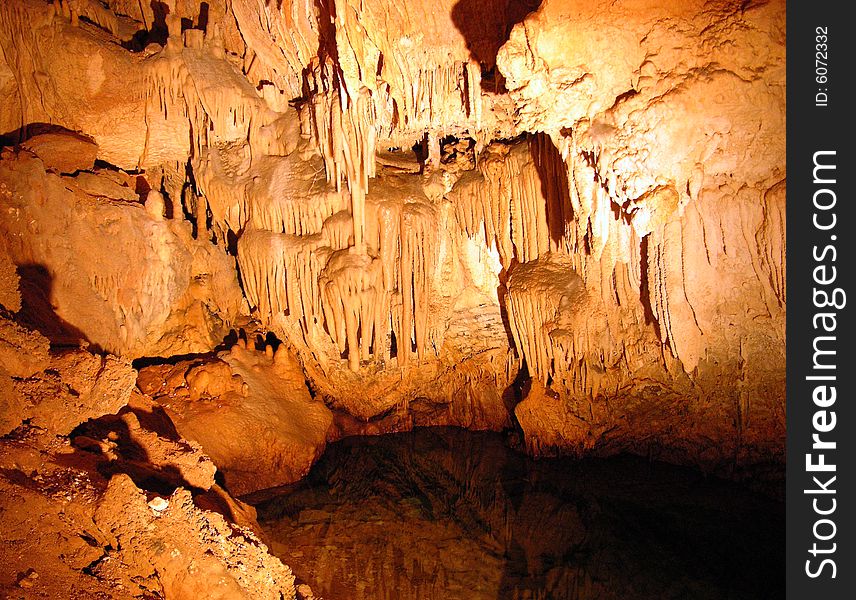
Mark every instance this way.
x=446 y=513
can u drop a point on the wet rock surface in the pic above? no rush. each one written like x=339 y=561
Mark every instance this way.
x=447 y=513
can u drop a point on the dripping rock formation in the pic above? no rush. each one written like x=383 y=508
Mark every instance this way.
x=232 y=231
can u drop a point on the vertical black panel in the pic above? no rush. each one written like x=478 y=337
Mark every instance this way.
x=820 y=255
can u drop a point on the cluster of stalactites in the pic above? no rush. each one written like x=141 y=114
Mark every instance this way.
x=437 y=97
x=625 y=250
x=280 y=42
x=569 y=339
x=540 y=209
x=296 y=215
x=347 y=123
x=189 y=84
x=359 y=300
x=532 y=198
x=220 y=181
x=270 y=193
x=344 y=127
x=170 y=94
x=369 y=299
x=280 y=274
x=520 y=199
x=429 y=90
x=633 y=235
x=609 y=222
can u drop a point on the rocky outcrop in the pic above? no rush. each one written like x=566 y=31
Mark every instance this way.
x=56 y=391
x=159 y=541
x=100 y=266
x=63 y=153
x=69 y=533
x=100 y=497
x=250 y=411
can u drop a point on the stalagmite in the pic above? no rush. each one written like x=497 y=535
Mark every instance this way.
x=155 y=205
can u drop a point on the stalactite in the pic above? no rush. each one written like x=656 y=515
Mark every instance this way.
x=280 y=41
x=432 y=98
x=280 y=273
x=362 y=297
x=290 y=212
x=770 y=241
x=569 y=338
x=344 y=127
x=508 y=201
x=418 y=250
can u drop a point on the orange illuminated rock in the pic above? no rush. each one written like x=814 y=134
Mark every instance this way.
x=97 y=266
x=63 y=152
x=250 y=411
x=101 y=498
x=562 y=215
x=566 y=214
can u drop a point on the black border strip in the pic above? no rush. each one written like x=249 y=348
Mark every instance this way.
x=820 y=255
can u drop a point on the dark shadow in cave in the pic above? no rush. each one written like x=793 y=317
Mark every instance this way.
x=201 y=22
x=514 y=395
x=644 y=286
x=554 y=184
x=204 y=9
x=264 y=339
x=327 y=52
x=174 y=359
x=553 y=528
x=131 y=458
x=486 y=26
x=158 y=33
x=327 y=48
x=22 y=134
x=501 y=295
x=38 y=312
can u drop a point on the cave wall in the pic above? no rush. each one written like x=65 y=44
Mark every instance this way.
x=593 y=213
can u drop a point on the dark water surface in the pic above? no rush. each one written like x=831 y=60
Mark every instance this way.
x=444 y=513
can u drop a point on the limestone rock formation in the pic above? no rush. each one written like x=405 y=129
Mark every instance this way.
x=597 y=194
x=56 y=391
x=99 y=267
x=560 y=216
x=64 y=152
x=69 y=534
x=101 y=498
x=10 y=294
x=165 y=534
x=250 y=411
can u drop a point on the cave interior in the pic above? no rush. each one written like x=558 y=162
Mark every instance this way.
x=374 y=299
